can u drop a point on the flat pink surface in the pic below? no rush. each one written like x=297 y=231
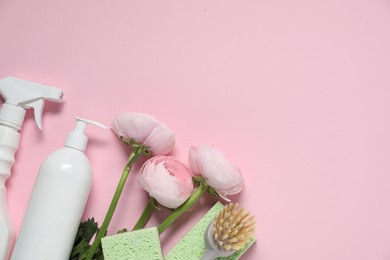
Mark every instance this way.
x=296 y=93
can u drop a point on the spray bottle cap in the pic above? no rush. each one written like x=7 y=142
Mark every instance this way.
x=20 y=95
x=77 y=138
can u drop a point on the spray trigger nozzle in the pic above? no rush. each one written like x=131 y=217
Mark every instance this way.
x=38 y=105
x=20 y=95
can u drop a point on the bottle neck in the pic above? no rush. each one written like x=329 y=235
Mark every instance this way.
x=77 y=141
x=12 y=116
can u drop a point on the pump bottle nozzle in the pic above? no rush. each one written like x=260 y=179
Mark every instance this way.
x=77 y=138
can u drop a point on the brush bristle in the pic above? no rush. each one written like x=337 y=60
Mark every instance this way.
x=233 y=228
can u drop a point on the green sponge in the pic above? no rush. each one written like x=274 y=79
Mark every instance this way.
x=192 y=246
x=139 y=244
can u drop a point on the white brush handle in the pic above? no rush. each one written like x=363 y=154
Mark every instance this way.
x=209 y=254
x=212 y=251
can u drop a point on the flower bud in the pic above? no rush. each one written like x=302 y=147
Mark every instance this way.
x=219 y=173
x=146 y=130
x=167 y=180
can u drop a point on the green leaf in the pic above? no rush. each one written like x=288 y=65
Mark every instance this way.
x=86 y=231
x=155 y=203
x=198 y=179
x=123 y=230
x=90 y=227
x=212 y=191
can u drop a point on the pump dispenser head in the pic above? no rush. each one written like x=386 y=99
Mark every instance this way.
x=20 y=95
x=77 y=139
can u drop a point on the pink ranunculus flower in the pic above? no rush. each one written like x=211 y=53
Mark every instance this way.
x=167 y=180
x=146 y=130
x=219 y=173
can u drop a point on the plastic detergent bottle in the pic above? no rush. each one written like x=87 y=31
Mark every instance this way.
x=19 y=95
x=57 y=202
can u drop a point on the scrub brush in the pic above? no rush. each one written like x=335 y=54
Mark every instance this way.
x=229 y=232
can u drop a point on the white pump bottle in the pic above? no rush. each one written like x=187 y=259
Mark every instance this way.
x=19 y=95
x=58 y=200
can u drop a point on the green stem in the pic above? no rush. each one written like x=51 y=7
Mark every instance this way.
x=145 y=215
x=184 y=207
x=138 y=150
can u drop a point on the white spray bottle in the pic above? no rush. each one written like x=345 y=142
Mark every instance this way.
x=57 y=203
x=19 y=95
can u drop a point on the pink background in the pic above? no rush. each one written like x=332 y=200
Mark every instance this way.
x=296 y=93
